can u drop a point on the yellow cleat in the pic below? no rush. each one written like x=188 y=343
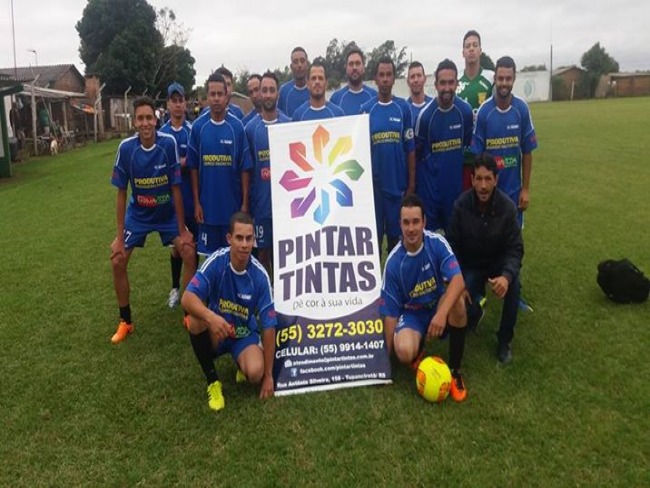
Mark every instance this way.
x=240 y=377
x=216 y=401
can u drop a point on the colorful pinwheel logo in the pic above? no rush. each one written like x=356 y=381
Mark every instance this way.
x=294 y=182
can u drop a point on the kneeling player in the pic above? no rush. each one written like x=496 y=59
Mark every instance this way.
x=148 y=162
x=223 y=299
x=422 y=294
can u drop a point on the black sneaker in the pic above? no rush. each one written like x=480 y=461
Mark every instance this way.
x=505 y=353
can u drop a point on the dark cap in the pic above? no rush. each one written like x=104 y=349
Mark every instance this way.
x=175 y=87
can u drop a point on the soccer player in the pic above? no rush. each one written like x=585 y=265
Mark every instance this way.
x=416 y=79
x=317 y=107
x=253 y=87
x=422 y=294
x=443 y=133
x=227 y=297
x=474 y=86
x=504 y=129
x=392 y=152
x=294 y=92
x=179 y=128
x=356 y=92
x=486 y=238
x=232 y=108
x=219 y=158
x=148 y=162
x=258 y=140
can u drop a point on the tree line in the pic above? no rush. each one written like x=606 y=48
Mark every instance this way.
x=127 y=43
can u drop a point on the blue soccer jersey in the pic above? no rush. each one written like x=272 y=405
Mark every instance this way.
x=243 y=299
x=236 y=111
x=505 y=134
x=391 y=140
x=416 y=281
x=220 y=153
x=258 y=140
x=249 y=116
x=442 y=136
x=232 y=109
x=291 y=97
x=416 y=108
x=307 y=112
x=150 y=173
x=350 y=101
x=182 y=136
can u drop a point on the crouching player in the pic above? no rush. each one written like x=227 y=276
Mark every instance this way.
x=148 y=162
x=422 y=294
x=224 y=300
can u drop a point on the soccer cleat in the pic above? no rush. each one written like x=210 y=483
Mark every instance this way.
x=524 y=306
x=240 y=377
x=457 y=391
x=505 y=353
x=174 y=298
x=123 y=329
x=216 y=401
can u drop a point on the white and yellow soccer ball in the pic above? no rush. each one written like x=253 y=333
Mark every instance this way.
x=433 y=379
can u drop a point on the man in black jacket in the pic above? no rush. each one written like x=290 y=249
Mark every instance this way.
x=485 y=236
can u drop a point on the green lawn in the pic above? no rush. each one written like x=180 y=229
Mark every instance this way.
x=573 y=409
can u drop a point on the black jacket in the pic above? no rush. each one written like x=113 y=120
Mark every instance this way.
x=490 y=241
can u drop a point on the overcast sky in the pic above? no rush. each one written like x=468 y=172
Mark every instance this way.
x=260 y=35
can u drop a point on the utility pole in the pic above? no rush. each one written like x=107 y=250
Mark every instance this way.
x=13 y=33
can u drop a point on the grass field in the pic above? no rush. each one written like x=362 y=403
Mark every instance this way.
x=573 y=409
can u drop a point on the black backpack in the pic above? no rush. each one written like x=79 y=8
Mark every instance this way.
x=622 y=282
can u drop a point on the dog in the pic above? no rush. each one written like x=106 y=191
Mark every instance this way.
x=54 y=147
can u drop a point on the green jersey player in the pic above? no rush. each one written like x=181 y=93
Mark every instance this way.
x=474 y=86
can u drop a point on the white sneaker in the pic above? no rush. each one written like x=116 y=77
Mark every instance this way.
x=174 y=298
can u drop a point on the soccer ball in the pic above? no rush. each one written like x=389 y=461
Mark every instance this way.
x=433 y=379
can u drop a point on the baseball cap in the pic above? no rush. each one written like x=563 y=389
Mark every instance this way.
x=175 y=87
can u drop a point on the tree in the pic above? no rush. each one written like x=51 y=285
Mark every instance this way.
x=332 y=61
x=120 y=44
x=283 y=75
x=486 y=62
x=172 y=31
x=240 y=83
x=177 y=64
x=597 y=63
x=386 y=49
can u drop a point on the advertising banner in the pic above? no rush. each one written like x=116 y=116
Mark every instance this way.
x=327 y=277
